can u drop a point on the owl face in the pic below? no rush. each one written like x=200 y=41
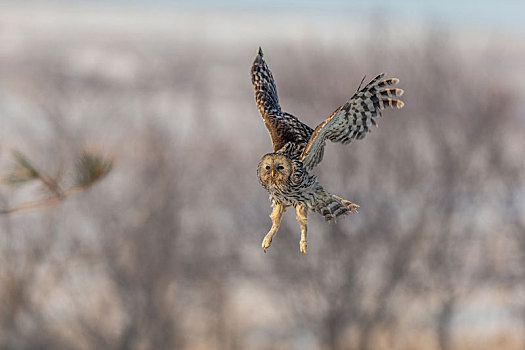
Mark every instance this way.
x=274 y=169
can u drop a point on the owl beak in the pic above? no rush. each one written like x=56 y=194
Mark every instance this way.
x=273 y=172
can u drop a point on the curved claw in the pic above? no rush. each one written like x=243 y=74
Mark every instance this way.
x=267 y=241
x=302 y=246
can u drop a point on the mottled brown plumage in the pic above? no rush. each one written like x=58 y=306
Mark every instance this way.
x=297 y=148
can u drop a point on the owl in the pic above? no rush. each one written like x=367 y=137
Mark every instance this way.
x=297 y=149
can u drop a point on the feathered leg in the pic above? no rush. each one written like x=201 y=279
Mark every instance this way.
x=301 y=215
x=276 y=215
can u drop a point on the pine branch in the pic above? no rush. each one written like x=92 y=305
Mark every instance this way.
x=54 y=199
x=89 y=169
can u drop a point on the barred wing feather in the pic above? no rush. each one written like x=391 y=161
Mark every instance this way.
x=283 y=127
x=352 y=121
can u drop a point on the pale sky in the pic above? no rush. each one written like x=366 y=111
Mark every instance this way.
x=502 y=14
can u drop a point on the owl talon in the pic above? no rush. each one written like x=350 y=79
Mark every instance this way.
x=267 y=241
x=302 y=246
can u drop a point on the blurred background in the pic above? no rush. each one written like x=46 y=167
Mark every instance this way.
x=164 y=253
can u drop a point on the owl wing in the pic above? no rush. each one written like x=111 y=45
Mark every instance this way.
x=352 y=121
x=282 y=127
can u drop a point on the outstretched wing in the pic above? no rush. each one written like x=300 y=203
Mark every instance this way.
x=283 y=127
x=352 y=121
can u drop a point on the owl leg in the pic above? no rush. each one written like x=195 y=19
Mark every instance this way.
x=301 y=215
x=277 y=213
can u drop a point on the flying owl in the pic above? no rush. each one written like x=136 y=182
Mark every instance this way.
x=297 y=149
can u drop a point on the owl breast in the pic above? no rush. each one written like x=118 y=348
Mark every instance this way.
x=285 y=179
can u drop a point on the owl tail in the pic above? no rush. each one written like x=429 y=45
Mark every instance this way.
x=331 y=206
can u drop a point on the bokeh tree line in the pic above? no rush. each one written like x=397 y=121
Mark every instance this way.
x=164 y=253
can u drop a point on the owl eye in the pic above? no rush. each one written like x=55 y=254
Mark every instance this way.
x=280 y=167
x=267 y=167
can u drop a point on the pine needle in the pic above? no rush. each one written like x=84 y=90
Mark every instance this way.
x=90 y=168
x=23 y=171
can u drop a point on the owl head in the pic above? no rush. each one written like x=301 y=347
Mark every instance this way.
x=274 y=169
